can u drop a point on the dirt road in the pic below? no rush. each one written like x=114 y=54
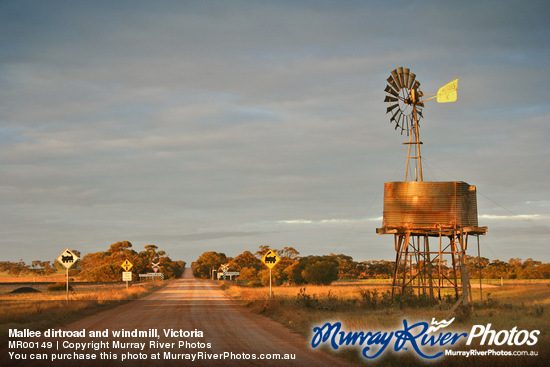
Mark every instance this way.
x=207 y=325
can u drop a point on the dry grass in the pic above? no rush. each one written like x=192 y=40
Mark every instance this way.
x=26 y=278
x=518 y=304
x=38 y=311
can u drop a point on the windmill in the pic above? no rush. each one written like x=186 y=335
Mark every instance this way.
x=415 y=211
x=406 y=102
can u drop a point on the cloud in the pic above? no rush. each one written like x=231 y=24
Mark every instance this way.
x=511 y=217
x=336 y=221
x=205 y=124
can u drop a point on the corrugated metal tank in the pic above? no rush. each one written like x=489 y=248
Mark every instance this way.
x=426 y=205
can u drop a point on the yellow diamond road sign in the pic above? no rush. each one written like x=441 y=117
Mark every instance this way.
x=67 y=258
x=270 y=259
x=126 y=265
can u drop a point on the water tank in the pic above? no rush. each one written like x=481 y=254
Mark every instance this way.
x=428 y=205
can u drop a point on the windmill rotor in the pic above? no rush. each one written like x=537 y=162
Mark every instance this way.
x=404 y=98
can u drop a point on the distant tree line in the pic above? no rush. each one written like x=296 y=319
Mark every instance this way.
x=295 y=269
x=37 y=268
x=292 y=269
x=513 y=269
x=105 y=266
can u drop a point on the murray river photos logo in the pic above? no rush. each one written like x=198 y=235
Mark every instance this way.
x=427 y=341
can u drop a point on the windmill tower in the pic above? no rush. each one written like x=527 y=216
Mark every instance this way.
x=416 y=211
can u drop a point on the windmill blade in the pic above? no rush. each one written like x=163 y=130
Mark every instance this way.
x=391 y=99
x=391 y=91
x=405 y=129
x=392 y=83
x=396 y=78
x=405 y=124
x=393 y=117
x=412 y=77
x=406 y=73
x=392 y=107
x=400 y=73
x=397 y=122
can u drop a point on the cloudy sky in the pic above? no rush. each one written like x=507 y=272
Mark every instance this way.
x=224 y=125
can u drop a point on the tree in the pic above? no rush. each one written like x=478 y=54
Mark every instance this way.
x=247 y=273
x=171 y=269
x=313 y=270
x=246 y=259
x=263 y=249
x=321 y=271
x=530 y=269
x=106 y=265
x=288 y=253
x=294 y=273
x=208 y=261
x=15 y=268
x=475 y=264
x=380 y=269
x=544 y=271
x=42 y=268
x=347 y=268
x=497 y=269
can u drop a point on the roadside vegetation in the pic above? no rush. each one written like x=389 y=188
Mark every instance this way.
x=47 y=306
x=367 y=305
x=42 y=304
x=102 y=266
x=309 y=291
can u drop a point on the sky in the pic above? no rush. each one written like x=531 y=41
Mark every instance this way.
x=225 y=125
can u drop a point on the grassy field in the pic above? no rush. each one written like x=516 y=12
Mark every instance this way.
x=366 y=305
x=47 y=308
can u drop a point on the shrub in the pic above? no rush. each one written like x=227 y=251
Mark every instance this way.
x=370 y=299
x=305 y=300
x=248 y=273
x=313 y=270
x=59 y=287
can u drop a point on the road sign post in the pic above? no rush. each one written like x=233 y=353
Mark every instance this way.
x=155 y=267
x=270 y=259
x=67 y=259
x=127 y=275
